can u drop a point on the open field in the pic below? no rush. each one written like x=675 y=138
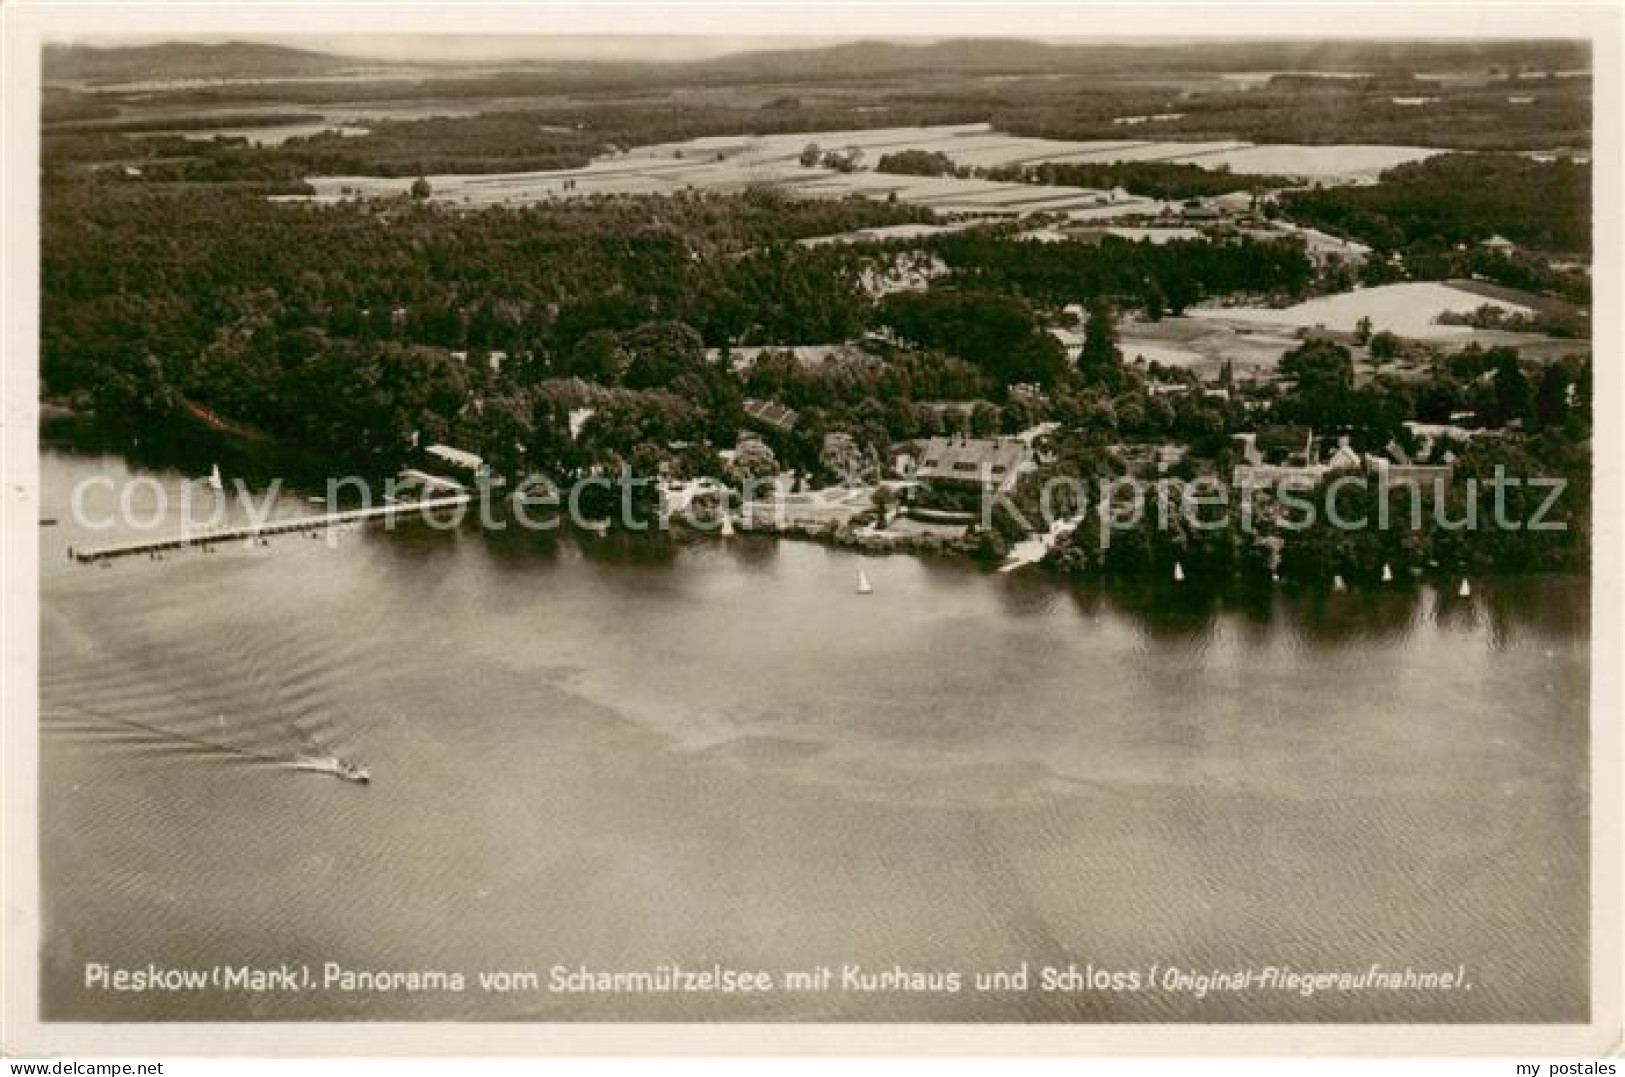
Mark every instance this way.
x=1202 y=341
x=1154 y=235
x=887 y=232
x=1203 y=347
x=733 y=162
x=1408 y=309
x=259 y=136
x=1329 y=163
x=649 y=176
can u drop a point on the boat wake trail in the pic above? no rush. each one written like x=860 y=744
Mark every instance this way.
x=245 y=693
x=173 y=736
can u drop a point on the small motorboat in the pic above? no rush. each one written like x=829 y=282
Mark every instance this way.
x=864 y=586
x=342 y=769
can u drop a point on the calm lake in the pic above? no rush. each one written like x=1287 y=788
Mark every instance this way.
x=620 y=753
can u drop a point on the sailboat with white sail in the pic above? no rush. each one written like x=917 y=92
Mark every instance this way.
x=864 y=586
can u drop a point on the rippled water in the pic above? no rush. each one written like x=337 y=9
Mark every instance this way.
x=622 y=753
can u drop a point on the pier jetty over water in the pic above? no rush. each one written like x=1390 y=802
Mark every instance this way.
x=320 y=522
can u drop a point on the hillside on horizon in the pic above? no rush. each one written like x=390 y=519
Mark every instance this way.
x=856 y=59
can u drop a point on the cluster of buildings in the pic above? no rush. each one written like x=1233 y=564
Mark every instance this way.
x=1294 y=456
x=1269 y=458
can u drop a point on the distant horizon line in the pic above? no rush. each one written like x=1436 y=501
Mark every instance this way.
x=472 y=48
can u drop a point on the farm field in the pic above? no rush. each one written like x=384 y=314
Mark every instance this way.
x=259 y=136
x=1154 y=235
x=732 y=162
x=1203 y=346
x=1331 y=163
x=627 y=175
x=978 y=145
x=1408 y=309
x=887 y=232
x=1202 y=343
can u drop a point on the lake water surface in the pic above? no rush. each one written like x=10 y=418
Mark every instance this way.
x=621 y=753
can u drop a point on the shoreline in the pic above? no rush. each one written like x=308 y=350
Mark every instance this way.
x=843 y=537
x=986 y=548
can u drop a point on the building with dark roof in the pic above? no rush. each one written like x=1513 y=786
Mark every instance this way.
x=980 y=463
x=771 y=415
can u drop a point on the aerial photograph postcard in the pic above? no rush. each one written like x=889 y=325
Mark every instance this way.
x=819 y=528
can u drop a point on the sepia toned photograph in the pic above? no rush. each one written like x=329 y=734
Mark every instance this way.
x=811 y=527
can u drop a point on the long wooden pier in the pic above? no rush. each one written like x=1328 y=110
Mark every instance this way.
x=250 y=532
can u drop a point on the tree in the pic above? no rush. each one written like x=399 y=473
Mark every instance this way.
x=368 y=399
x=847 y=160
x=506 y=431
x=421 y=189
x=1324 y=369
x=1100 y=356
x=658 y=353
x=1551 y=398
x=1156 y=302
x=1512 y=392
x=135 y=389
x=999 y=333
x=1384 y=346
x=916 y=163
x=984 y=419
x=754 y=459
x=811 y=155
x=1319 y=365
x=599 y=357
x=884 y=498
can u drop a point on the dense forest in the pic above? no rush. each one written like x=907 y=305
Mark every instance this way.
x=224 y=296
x=560 y=116
x=197 y=280
x=567 y=136
x=1153 y=179
x=1224 y=547
x=1161 y=278
x=999 y=333
x=174 y=290
x=918 y=163
x=1540 y=420
x=1459 y=198
x=1550 y=113
x=159 y=303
